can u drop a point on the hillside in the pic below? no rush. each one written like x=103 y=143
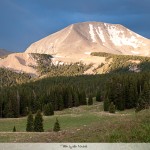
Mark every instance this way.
x=42 y=66
x=4 y=52
x=121 y=63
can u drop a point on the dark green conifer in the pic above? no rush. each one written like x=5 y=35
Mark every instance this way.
x=76 y=99
x=146 y=95
x=98 y=96
x=48 y=110
x=56 y=102
x=112 y=108
x=90 y=100
x=106 y=104
x=14 y=129
x=82 y=98
x=61 y=103
x=142 y=104
x=70 y=99
x=38 y=122
x=30 y=123
x=56 y=126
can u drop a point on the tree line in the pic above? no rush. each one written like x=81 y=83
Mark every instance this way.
x=130 y=90
x=126 y=91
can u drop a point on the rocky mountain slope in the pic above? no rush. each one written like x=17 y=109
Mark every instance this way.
x=19 y=62
x=75 y=44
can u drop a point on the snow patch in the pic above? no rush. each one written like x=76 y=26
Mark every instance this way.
x=87 y=53
x=105 y=24
x=134 y=52
x=134 y=68
x=119 y=39
x=58 y=56
x=100 y=34
x=61 y=63
x=92 y=34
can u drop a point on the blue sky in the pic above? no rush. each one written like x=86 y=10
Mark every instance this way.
x=23 y=22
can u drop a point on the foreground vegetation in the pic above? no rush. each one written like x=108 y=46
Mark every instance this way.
x=83 y=124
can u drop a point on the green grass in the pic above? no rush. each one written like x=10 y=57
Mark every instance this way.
x=6 y=125
x=83 y=124
x=67 y=121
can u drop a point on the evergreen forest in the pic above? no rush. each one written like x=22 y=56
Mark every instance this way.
x=125 y=90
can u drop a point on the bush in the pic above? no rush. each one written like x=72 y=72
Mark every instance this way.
x=90 y=100
x=98 y=96
x=106 y=104
x=30 y=123
x=14 y=129
x=56 y=126
x=48 y=110
x=38 y=122
x=112 y=108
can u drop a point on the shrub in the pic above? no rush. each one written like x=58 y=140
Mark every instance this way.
x=56 y=126
x=14 y=129
x=112 y=108
x=106 y=104
x=38 y=122
x=90 y=100
x=30 y=123
x=48 y=110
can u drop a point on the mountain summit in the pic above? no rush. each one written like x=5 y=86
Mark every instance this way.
x=87 y=37
x=75 y=43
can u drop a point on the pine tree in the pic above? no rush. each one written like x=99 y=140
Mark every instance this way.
x=112 y=108
x=121 y=105
x=13 y=111
x=56 y=102
x=18 y=102
x=82 y=98
x=56 y=126
x=119 y=97
x=61 y=103
x=1 y=108
x=48 y=110
x=132 y=96
x=38 y=122
x=30 y=123
x=142 y=104
x=90 y=100
x=8 y=112
x=98 y=96
x=146 y=95
x=14 y=129
x=106 y=104
x=70 y=99
x=76 y=99
x=23 y=104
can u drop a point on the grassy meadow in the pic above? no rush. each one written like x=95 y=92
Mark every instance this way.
x=83 y=124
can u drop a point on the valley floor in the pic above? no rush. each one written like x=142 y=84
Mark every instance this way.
x=83 y=124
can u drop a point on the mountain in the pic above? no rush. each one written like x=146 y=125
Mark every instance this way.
x=19 y=62
x=76 y=43
x=79 y=40
x=4 y=52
